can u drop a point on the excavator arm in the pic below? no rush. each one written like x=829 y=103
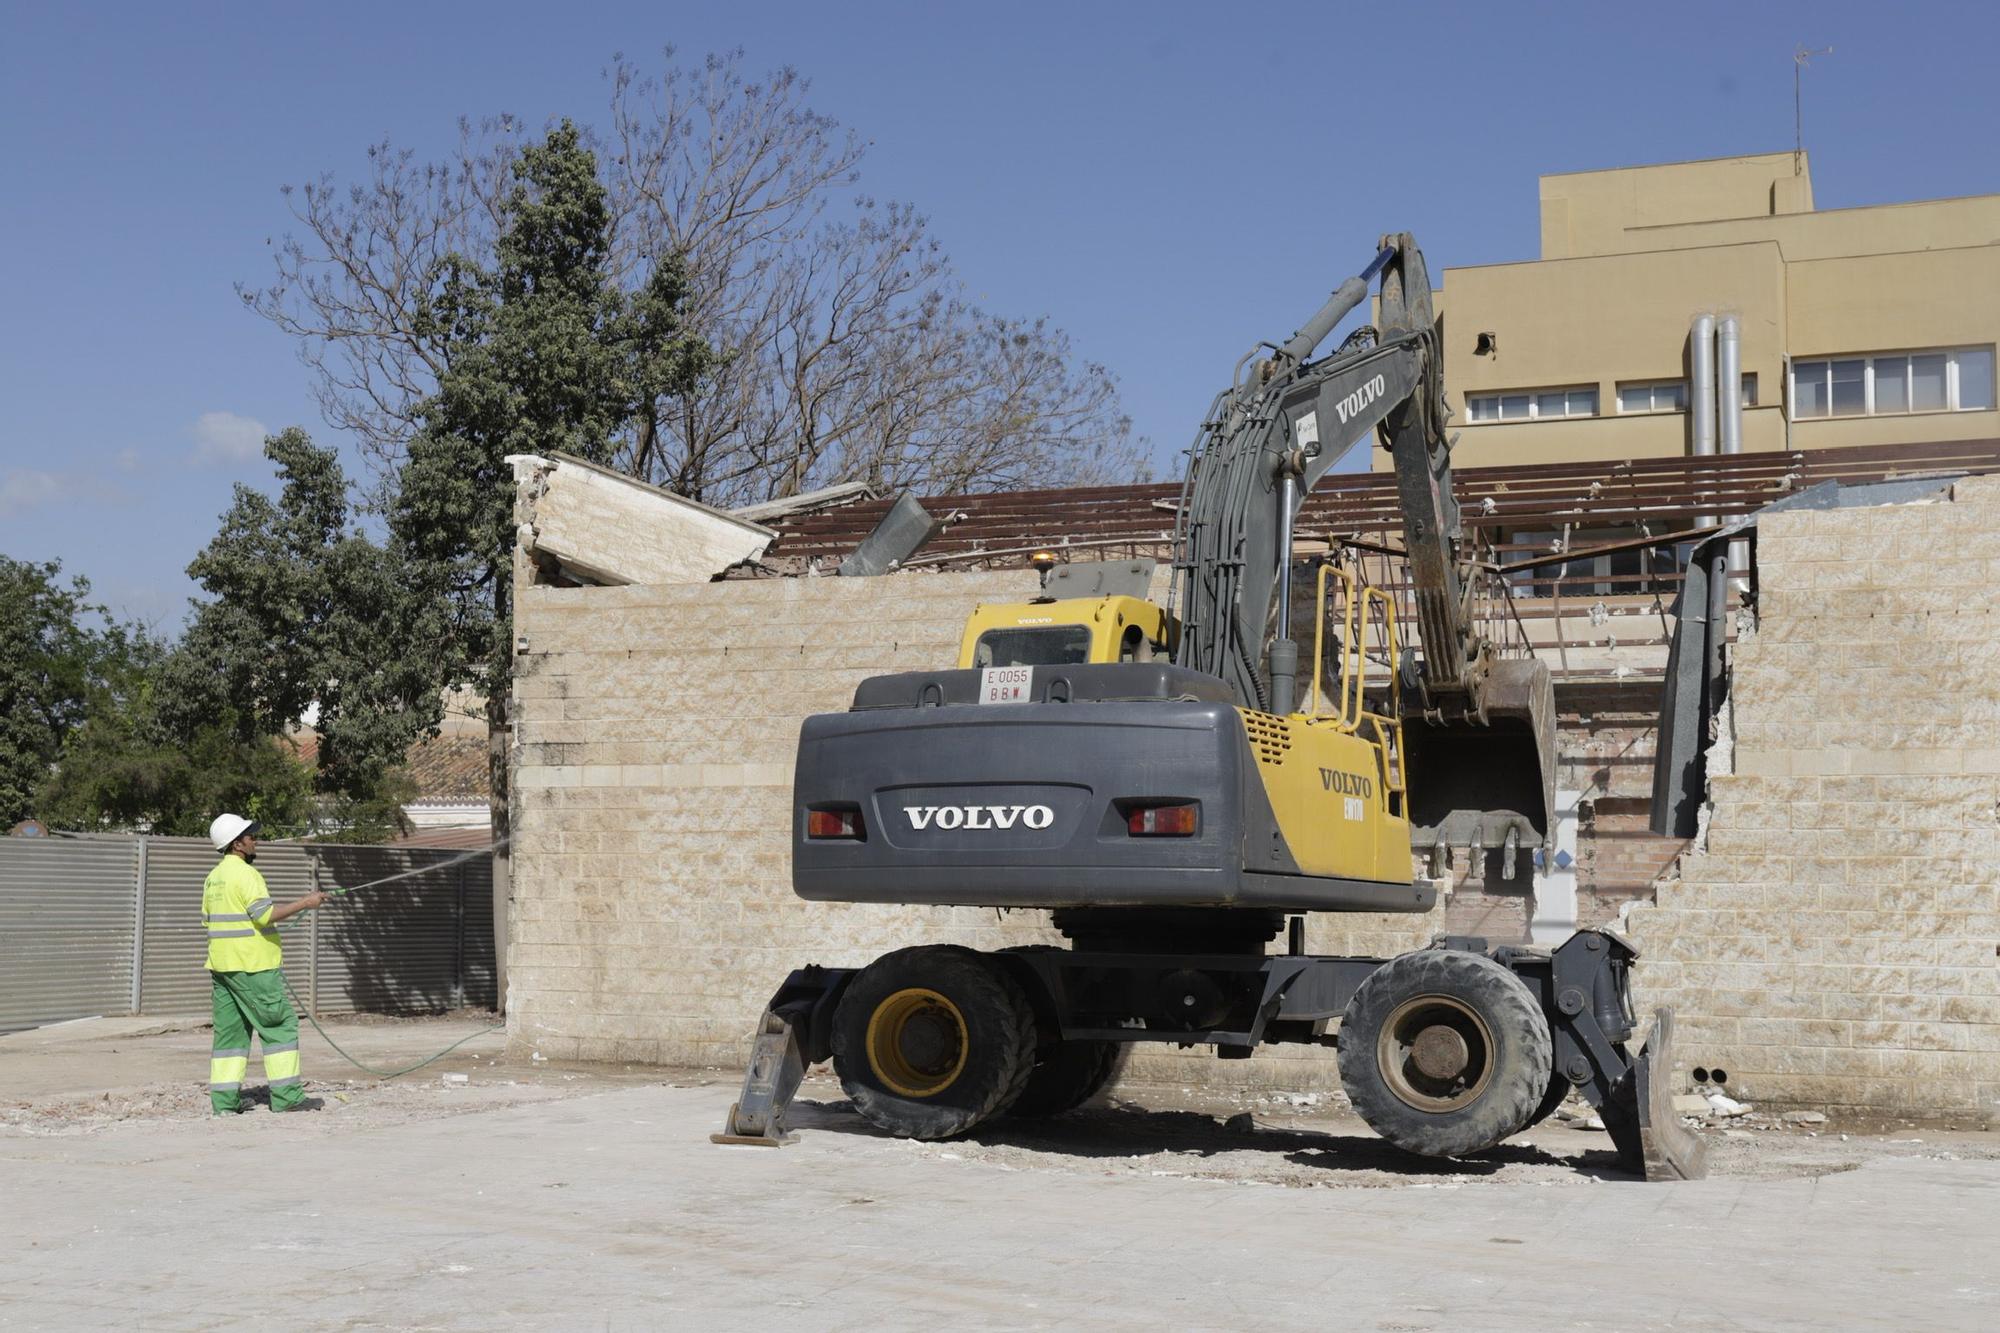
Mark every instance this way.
x=1481 y=728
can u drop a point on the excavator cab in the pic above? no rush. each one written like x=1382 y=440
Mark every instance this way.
x=1068 y=631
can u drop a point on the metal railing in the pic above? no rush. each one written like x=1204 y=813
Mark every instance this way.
x=1367 y=639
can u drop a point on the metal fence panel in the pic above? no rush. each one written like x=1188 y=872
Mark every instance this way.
x=393 y=948
x=66 y=916
x=77 y=913
x=175 y=975
x=478 y=970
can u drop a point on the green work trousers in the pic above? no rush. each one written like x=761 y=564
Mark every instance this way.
x=247 y=1002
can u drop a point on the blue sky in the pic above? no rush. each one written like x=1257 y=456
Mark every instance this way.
x=1169 y=182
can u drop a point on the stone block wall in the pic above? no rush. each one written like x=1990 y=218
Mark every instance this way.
x=1834 y=944
x=655 y=729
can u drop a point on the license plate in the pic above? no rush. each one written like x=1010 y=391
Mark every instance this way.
x=1005 y=685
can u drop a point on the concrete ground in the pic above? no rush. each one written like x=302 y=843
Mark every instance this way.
x=528 y=1196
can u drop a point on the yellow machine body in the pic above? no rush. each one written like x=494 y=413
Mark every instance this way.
x=1337 y=798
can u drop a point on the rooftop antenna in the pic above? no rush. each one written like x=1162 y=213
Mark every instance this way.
x=1800 y=59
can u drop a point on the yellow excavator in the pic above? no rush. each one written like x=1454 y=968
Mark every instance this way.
x=1146 y=771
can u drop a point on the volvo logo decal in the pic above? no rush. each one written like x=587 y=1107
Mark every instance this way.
x=1347 y=784
x=979 y=816
x=1360 y=398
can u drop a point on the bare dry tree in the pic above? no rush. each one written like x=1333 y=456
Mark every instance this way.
x=845 y=348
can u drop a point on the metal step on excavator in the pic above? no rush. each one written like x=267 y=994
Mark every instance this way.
x=1150 y=776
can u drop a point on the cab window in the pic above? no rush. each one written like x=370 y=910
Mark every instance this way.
x=1042 y=645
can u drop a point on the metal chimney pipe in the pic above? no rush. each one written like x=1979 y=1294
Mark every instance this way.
x=1729 y=382
x=1701 y=392
x=1729 y=402
x=1701 y=386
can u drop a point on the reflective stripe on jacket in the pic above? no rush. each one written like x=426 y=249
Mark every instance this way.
x=236 y=909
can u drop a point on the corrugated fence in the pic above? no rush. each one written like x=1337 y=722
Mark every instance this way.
x=112 y=925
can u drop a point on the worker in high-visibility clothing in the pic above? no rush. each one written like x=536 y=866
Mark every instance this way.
x=243 y=960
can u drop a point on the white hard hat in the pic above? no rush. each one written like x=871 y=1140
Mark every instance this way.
x=228 y=828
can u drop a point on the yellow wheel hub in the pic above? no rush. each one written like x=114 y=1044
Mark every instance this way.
x=917 y=1041
x=1436 y=1053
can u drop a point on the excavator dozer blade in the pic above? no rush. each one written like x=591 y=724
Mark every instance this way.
x=776 y=1068
x=792 y=1034
x=1649 y=1134
x=1474 y=782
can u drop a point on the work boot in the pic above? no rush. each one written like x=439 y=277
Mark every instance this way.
x=302 y=1104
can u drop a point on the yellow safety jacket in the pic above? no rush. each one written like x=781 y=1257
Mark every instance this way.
x=236 y=908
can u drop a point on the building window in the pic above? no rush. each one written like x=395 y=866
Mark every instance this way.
x=1499 y=406
x=1541 y=405
x=1671 y=395
x=1949 y=380
x=1662 y=396
x=1567 y=403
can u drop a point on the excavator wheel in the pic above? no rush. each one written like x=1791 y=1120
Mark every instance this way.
x=930 y=1041
x=1067 y=1075
x=1444 y=1052
x=1558 y=1093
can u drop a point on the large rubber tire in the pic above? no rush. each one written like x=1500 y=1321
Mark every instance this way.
x=1481 y=1005
x=1558 y=1093
x=1067 y=1075
x=930 y=1041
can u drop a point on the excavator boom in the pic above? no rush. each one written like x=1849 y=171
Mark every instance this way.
x=1480 y=727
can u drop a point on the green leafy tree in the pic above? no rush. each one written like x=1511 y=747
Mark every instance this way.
x=376 y=816
x=540 y=353
x=308 y=618
x=78 y=707
x=58 y=652
x=123 y=769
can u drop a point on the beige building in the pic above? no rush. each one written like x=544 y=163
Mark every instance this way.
x=1872 y=325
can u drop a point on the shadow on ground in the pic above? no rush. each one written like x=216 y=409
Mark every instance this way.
x=1125 y=1131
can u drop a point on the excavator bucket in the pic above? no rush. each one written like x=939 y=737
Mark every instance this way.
x=1473 y=782
x=1640 y=1115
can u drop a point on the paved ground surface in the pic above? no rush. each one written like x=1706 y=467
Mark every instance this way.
x=532 y=1196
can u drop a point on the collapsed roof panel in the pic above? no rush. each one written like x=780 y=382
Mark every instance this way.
x=599 y=526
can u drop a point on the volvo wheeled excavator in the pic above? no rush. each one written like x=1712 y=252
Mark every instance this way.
x=1154 y=777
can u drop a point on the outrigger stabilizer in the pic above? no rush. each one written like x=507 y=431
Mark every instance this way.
x=1581 y=986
